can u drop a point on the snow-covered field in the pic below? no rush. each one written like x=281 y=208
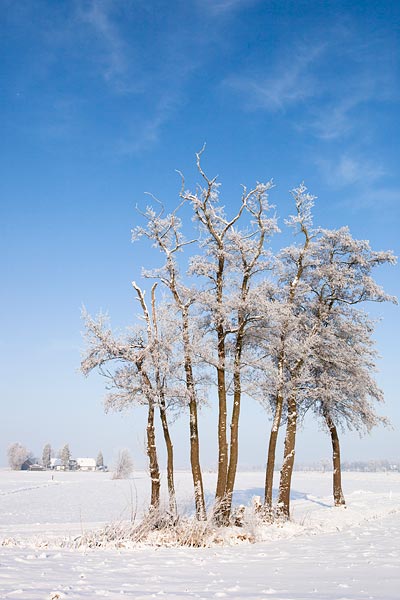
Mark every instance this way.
x=323 y=553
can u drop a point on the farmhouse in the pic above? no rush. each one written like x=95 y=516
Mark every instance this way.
x=36 y=467
x=86 y=464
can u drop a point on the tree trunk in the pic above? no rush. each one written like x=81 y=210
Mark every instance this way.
x=170 y=460
x=288 y=460
x=273 y=438
x=222 y=417
x=269 y=473
x=234 y=441
x=160 y=393
x=194 y=433
x=222 y=412
x=151 y=439
x=338 y=495
x=153 y=462
x=195 y=463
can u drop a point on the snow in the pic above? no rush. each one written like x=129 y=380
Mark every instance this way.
x=324 y=553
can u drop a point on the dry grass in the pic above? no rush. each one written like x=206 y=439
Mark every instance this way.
x=159 y=528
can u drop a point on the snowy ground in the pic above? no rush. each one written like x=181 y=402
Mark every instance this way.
x=324 y=553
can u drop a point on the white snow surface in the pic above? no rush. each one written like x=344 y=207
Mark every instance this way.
x=324 y=553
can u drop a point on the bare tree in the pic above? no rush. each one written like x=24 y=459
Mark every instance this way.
x=100 y=460
x=233 y=252
x=343 y=390
x=161 y=387
x=46 y=456
x=165 y=233
x=339 y=276
x=124 y=465
x=65 y=456
x=17 y=455
x=129 y=380
x=291 y=266
x=139 y=372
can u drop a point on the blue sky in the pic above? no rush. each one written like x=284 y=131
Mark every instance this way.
x=101 y=101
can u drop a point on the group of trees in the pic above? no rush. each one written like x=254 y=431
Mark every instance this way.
x=64 y=454
x=285 y=329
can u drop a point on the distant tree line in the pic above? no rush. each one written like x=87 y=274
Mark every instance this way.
x=283 y=328
x=19 y=457
x=371 y=466
x=364 y=466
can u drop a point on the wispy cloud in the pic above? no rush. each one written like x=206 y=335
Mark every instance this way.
x=221 y=7
x=350 y=170
x=125 y=68
x=142 y=135
x=112 y=58
x=363 y=184
x=322 y=86
x=380 y=201
x=152 y=67
x=291 y=83
x=340 y=112
x=333 y=121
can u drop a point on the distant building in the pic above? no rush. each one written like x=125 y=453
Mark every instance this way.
x=56 y=464
x=37 y=467
x=86 y=464
x=78 y=464
x=26 y=465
